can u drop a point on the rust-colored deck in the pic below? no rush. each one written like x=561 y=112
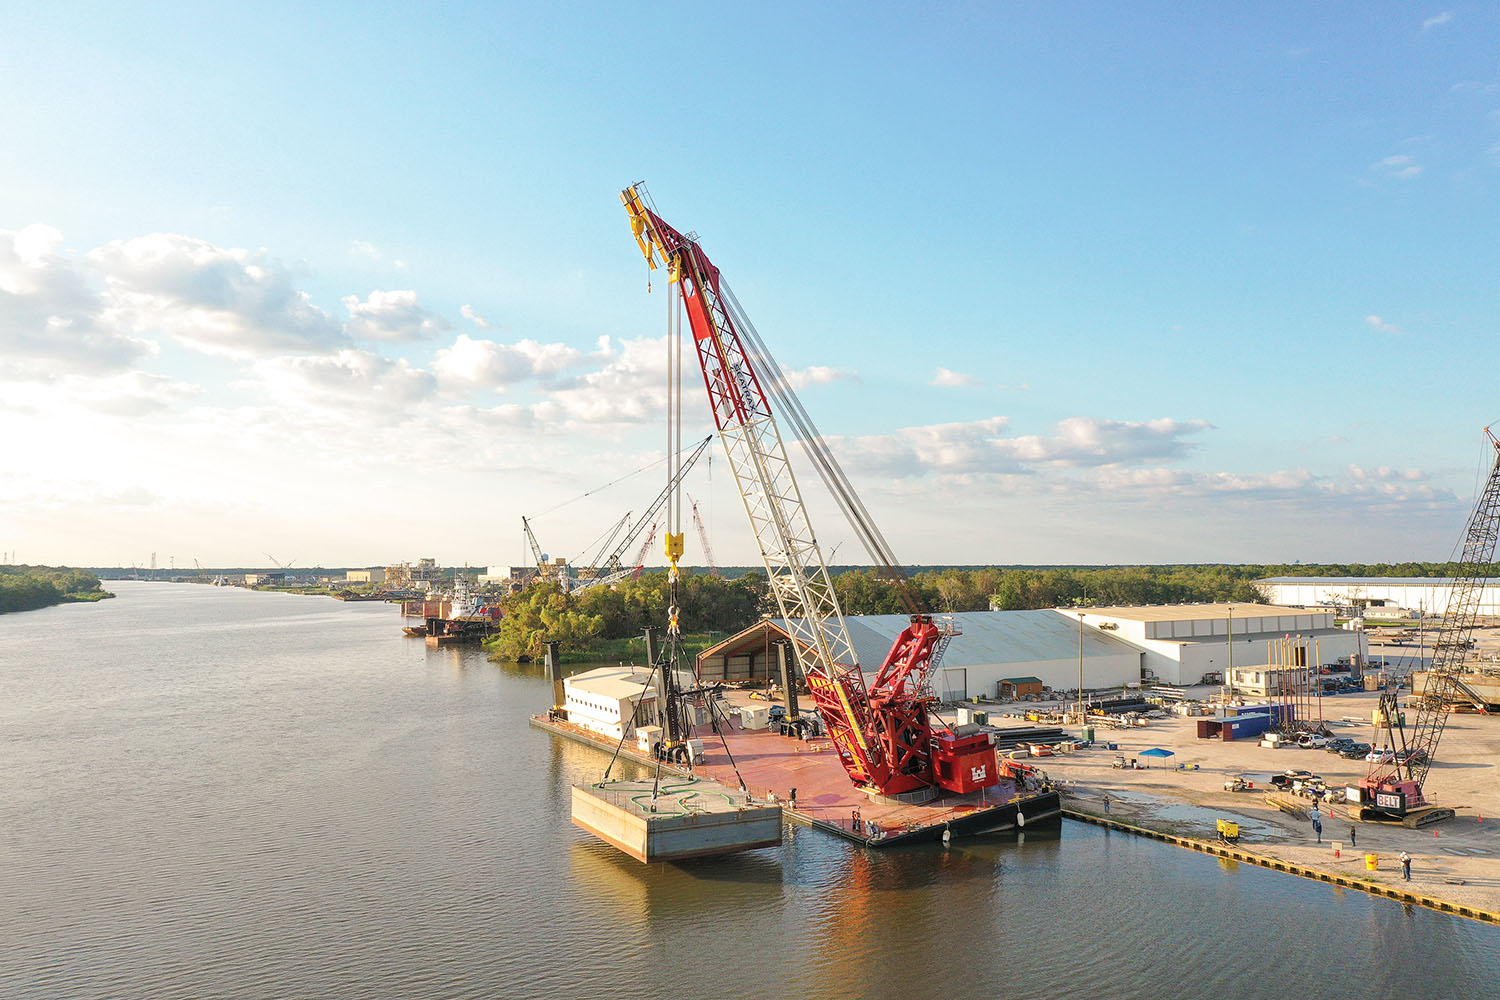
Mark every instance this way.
x=772 y=764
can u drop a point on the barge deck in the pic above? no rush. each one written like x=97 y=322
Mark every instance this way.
x=773 y=765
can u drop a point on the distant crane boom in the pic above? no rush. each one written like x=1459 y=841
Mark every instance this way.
x=708 y=551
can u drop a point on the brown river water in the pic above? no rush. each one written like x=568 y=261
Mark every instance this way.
x=209 y=792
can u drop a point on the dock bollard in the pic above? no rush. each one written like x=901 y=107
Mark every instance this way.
x=1372 y=862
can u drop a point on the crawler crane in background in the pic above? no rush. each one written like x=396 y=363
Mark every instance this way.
x=883 y=732
x=1393 y=790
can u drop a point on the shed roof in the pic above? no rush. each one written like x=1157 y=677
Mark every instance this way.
x=1190 y=612
x=987 y=637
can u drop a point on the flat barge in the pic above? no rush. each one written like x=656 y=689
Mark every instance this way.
x=773 y=766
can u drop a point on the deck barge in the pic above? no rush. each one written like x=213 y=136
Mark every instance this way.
x=773 y=765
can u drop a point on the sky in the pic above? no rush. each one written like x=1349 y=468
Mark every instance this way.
x=344 y=285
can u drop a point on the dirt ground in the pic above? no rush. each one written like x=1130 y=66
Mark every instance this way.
x=1458 y=860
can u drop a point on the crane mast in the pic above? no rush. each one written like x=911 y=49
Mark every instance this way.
x=1396 y=786
x=708 y=552
x=884 y=741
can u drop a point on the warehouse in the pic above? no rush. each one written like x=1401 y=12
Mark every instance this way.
x=1190 y=643
x=1024 y=649
x=1413 y=593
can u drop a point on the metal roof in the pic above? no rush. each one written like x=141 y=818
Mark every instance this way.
x=989 y=637
x=1365 y=581
x=1189 y=612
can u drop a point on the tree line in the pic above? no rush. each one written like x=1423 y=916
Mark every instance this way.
x=26 y=588
x=585 y=620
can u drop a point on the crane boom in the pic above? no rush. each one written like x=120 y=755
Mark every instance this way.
x=708 y=552
x=1396 y=786
x=885 y=741
x=610 y=570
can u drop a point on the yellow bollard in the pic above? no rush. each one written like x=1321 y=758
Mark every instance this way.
x=1372 y=862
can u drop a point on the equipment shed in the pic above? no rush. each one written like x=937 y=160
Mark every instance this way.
x=1039 y=647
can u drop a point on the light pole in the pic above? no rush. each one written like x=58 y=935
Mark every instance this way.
x=1082 y=719
x=1229 y=673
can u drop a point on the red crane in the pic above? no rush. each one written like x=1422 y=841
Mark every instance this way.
x=884 y=733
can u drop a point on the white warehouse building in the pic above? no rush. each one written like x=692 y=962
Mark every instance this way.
x=1185 y=643
x=1413 y=593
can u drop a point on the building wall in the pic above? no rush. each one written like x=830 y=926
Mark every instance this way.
x=376 y=576
x=1431 y=597
x=1099 y=671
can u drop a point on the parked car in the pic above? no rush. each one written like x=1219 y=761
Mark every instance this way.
x=1312 y=741
x=1356 y=752
x=1381 y=755
x=1339 y=744
x=1413 y=756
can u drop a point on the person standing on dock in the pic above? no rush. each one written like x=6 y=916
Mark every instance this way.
x=1406 y=866
x=1351 y=834
x=1317 y=823
x=1106 y=803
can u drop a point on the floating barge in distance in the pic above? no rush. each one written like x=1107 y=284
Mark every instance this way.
x=775 y=765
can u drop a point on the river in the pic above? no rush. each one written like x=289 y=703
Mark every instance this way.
x=211 y=792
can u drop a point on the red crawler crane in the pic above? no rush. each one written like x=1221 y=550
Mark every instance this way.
x=883 y=734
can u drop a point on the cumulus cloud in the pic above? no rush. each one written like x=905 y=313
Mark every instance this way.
x=981 y=446
x=52 y=314
x=476 y=362
x=393 y=315
x=229 y=302
x=132 y=394
x=1401 y=167
x=468 y=312
x=801 y=378
x=946 y=377
x=1379 y=325
x=1437 y=20
x=347 y=380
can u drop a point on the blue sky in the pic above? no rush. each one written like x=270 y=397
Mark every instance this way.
x=1062 y=282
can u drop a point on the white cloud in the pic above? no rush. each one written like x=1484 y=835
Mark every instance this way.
x=393 y=315
x=800 y=379
x=131 y=394
x=475 y=362
x=945 y=377
x=1401 y=166
x=359 y=248
x=468 y=312
x=1381 y=326
x=348 y=381
x=51 y=313
x=1437 y=20
x=979 y=447
x=228 y=302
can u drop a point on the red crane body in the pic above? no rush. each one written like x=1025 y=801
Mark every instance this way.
x=883 y=734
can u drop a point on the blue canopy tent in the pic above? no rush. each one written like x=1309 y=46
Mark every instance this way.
x=1156 y=752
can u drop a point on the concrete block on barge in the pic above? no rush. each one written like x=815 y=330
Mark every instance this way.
x=680 y=818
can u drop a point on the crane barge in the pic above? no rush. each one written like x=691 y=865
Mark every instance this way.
x=883 y=732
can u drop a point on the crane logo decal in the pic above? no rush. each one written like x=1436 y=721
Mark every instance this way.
x=979 y=773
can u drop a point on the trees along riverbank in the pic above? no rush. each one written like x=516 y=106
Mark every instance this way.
x=606 y=622
x=26 y=588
